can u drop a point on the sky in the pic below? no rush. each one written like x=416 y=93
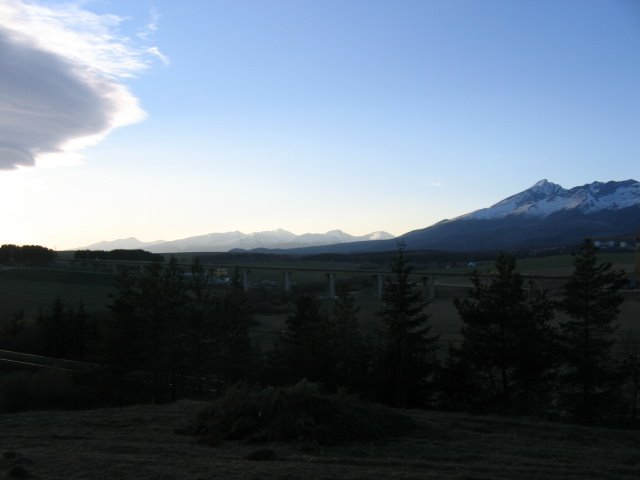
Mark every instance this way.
x=163 y=119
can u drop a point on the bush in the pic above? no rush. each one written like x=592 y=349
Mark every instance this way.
x=300 y=413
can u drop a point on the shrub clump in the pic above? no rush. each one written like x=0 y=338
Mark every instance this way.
x=299 y=413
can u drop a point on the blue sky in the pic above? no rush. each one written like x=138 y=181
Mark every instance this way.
x=305 y=115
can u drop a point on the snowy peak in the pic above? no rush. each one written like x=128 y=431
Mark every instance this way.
x=379 y=236
x=545 y=198
x=129 y=243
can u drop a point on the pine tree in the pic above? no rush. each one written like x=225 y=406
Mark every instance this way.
x=306 y=350
x=160 y=303
x=407 y=355
x=199 y=341
x=173 y=302
x=124 y=341
x=234 y=345
x=349 y=347
x=507 y=337
x=54 y=330
x=592 y=302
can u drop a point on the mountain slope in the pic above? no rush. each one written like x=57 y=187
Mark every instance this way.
x=546 y=198
x=223 y=242
x=130 y=243
x=545 y=215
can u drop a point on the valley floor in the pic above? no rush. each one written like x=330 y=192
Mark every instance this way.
x=140 y=442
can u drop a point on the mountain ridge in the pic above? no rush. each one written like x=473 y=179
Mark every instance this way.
x=545 y=198
x=226 y=241
x=545 y=215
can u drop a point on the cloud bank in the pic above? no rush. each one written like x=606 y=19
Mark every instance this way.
x=61 y=73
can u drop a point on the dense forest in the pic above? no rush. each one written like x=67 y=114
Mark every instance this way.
x=118 y=254
x=171 y=334
x=25 y=255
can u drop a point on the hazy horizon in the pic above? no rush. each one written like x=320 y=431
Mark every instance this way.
x=167 y=120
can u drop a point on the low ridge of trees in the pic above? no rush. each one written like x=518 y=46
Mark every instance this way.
x=118 y=254
x=29 y=255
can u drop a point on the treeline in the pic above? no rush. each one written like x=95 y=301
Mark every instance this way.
x=375 y=260
x=25 y=255
x=118 y=254
x=169 y=334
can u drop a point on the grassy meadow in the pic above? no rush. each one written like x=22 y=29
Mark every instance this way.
x=140 y=442
x=30 y=290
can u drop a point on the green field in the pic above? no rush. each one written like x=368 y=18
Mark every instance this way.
x=30 y=290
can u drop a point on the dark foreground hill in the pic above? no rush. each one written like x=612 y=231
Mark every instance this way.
x=140 y=442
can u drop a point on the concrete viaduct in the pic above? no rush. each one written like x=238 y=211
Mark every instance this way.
x=137 y=267
x=427 y=280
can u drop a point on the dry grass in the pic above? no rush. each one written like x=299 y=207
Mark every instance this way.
x=139 y=442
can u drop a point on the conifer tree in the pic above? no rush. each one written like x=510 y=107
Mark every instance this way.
x=407 y=354
x=348 y=344
x=507 y=337
x=592 y=301
x=199 y=341
x=125 y=346
x=173 y=302
x=306 y=350
x=234 y=345
x=161 y=307
x=54 y=330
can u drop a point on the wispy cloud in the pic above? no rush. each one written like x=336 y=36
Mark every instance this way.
x=61 y=87
x=150 y=27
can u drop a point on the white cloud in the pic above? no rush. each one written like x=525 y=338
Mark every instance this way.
x=151 y=27
x=155 y=51
x=61 y=80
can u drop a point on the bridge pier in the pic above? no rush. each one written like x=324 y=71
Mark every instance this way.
x=246 y=280
x=379 y=286
x=287 y=281
x=331 y=277
x=429 y=287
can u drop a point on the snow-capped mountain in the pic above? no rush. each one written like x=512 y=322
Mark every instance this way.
x=545 y=215
x=223 y=242
x=545 y=198
x=130 y=243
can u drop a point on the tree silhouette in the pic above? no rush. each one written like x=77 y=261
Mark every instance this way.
x=592 y=302
x=507 y=337
x=407 y=354
x=199 y=342
x=349 y=348
x=235 y=354
x=307 y=350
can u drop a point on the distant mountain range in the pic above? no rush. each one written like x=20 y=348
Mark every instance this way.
x=543 y=216
x=224 y=242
